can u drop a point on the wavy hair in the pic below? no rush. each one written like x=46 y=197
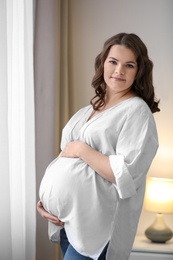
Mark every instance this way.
x=143 y=84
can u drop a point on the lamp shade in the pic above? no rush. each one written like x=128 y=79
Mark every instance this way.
x=159 y=195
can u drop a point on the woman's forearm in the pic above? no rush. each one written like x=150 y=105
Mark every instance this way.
x=97 y=161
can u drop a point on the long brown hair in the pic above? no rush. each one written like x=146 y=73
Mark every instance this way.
x=143 y=84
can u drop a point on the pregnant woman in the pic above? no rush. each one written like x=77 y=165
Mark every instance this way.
x=92 y=193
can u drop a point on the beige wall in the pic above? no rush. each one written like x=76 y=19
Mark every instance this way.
x=91 y=23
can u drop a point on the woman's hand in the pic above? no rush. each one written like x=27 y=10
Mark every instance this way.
x=72 y=149
x=97 y=161
x=56 y=221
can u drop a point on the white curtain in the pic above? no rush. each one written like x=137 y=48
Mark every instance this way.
x=17 y=137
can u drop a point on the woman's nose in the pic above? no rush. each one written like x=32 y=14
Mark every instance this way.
x=119 y=71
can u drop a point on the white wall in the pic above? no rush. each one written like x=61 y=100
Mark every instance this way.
x=91 y=23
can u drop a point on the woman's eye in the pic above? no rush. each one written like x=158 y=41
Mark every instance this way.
x=128 y=65
x=113 y=62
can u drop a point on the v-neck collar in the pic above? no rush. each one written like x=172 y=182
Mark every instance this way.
x=90 y=118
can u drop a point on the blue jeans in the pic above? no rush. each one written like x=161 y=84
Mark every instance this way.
x=69 y=253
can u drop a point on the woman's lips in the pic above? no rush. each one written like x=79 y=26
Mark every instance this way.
x=117 y=79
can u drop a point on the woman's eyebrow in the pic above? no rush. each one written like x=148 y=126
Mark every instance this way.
x=113 y=58
x=134 y=62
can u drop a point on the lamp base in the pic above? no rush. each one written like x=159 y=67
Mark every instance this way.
x=159 y=232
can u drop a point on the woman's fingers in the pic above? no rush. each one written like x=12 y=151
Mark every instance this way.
x=56 y=221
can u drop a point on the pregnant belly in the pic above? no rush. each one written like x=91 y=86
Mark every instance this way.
x=69 y=184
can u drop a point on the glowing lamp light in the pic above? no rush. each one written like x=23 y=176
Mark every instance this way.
x=159 y=199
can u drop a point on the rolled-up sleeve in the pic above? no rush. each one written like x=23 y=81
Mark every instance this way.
x=136 y=147
x=124 y=181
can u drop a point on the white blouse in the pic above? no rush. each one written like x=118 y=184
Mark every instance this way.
x=94 y=210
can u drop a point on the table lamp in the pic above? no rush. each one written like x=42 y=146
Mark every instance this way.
x=159 y=199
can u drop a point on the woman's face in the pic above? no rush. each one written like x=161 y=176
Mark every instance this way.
x=120 y=69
